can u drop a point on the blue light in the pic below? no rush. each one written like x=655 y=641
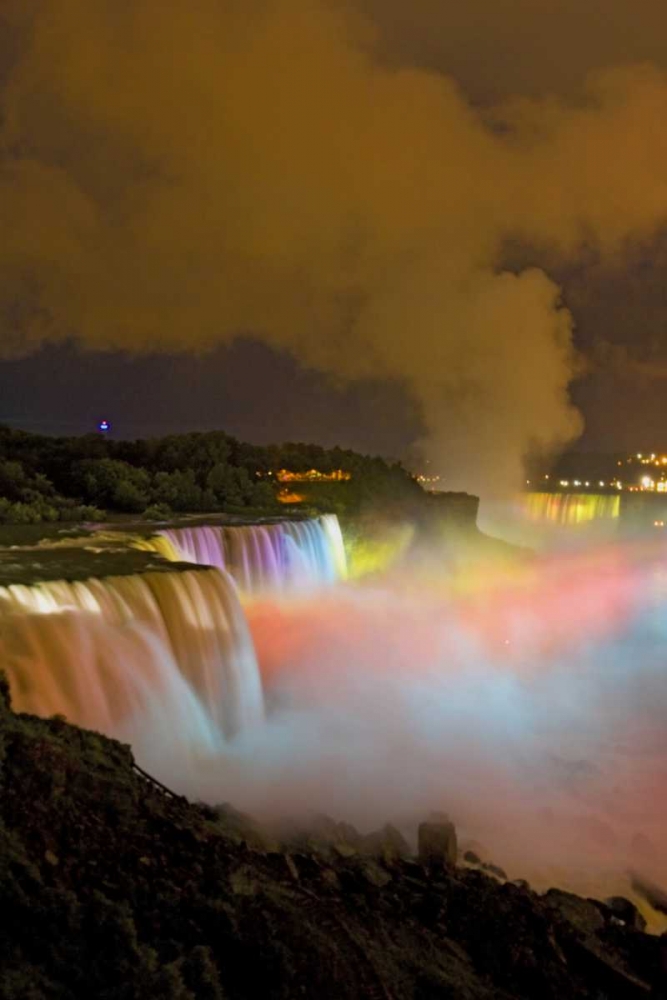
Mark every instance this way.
x=104 y=426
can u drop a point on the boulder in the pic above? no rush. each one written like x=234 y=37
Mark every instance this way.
x=321 y=835
x=437 y=844
x=626 y=911
x=581 y=914
x=495 y=870
x=389 y=844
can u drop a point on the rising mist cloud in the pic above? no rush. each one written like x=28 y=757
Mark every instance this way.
x=174 y=176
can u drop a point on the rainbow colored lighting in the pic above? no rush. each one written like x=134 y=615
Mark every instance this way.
x=572 y=508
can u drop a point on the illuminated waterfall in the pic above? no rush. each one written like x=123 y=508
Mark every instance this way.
x=131 y=656
x=572 y=508
x=285 y=557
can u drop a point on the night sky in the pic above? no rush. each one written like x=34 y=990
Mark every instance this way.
x=439 y=222
x=247 y=389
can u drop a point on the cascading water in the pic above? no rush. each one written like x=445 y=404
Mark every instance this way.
x=287 y=557
x=167 y=653
x=163 y=660
x=571 y=509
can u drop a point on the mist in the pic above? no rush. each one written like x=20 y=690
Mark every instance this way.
x=527 y=704
x=173 y=178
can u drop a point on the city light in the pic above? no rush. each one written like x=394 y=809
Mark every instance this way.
x=313 y=476
x=430 y=482
x=655 y=482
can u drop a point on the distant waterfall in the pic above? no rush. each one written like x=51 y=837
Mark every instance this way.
x=166 y=652
x=286 y=557
x=572 y=508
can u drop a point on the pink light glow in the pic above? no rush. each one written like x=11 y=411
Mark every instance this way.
x=533 y=711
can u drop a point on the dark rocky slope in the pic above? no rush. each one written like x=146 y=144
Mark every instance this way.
x=113 y=889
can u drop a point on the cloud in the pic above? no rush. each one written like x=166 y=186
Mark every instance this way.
x=500 y=48
x=174 y=176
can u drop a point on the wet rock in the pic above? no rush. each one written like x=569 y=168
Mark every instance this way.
x=660 y=974
x=242 y=828
x=387 y=843
x=344 y=850
x=291 y=867
x=207 y=917
x=322 y=835
x=626 y=911
x=243 y=881
x=456 y=949
x=306 y=865
x=581 y=914
x=330 y=878
x=437 y=844
x=494 y=870
x=373 y=873
x=282 y=865
x=413 y=870
x=429 y=909
x=588 y=958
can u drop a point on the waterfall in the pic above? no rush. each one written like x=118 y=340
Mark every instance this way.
x=166 y=652
x=286 y=557
x=572 y=508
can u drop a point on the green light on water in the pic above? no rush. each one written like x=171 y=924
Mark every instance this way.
x=573 y=508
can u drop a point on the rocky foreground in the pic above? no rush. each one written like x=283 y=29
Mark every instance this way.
x=111 y=888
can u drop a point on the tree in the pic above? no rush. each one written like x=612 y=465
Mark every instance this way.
x=128 y=497
x=104 y=480
x=12 y=480
x=231 y=486
x=263 y=494
x=178 y=489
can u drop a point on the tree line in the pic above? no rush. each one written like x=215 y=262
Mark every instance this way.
x=81 y=478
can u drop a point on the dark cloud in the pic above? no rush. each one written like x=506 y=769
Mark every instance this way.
x=505 y=48
x=175 y=175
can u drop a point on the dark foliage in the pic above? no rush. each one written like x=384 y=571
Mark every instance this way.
x=50 y=479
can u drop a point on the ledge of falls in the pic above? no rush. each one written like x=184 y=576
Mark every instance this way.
x=165 y=649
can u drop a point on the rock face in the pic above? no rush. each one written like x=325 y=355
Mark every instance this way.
x=112 y=889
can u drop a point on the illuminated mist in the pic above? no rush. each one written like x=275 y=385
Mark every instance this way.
x=530 y=707
x=523 y=695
